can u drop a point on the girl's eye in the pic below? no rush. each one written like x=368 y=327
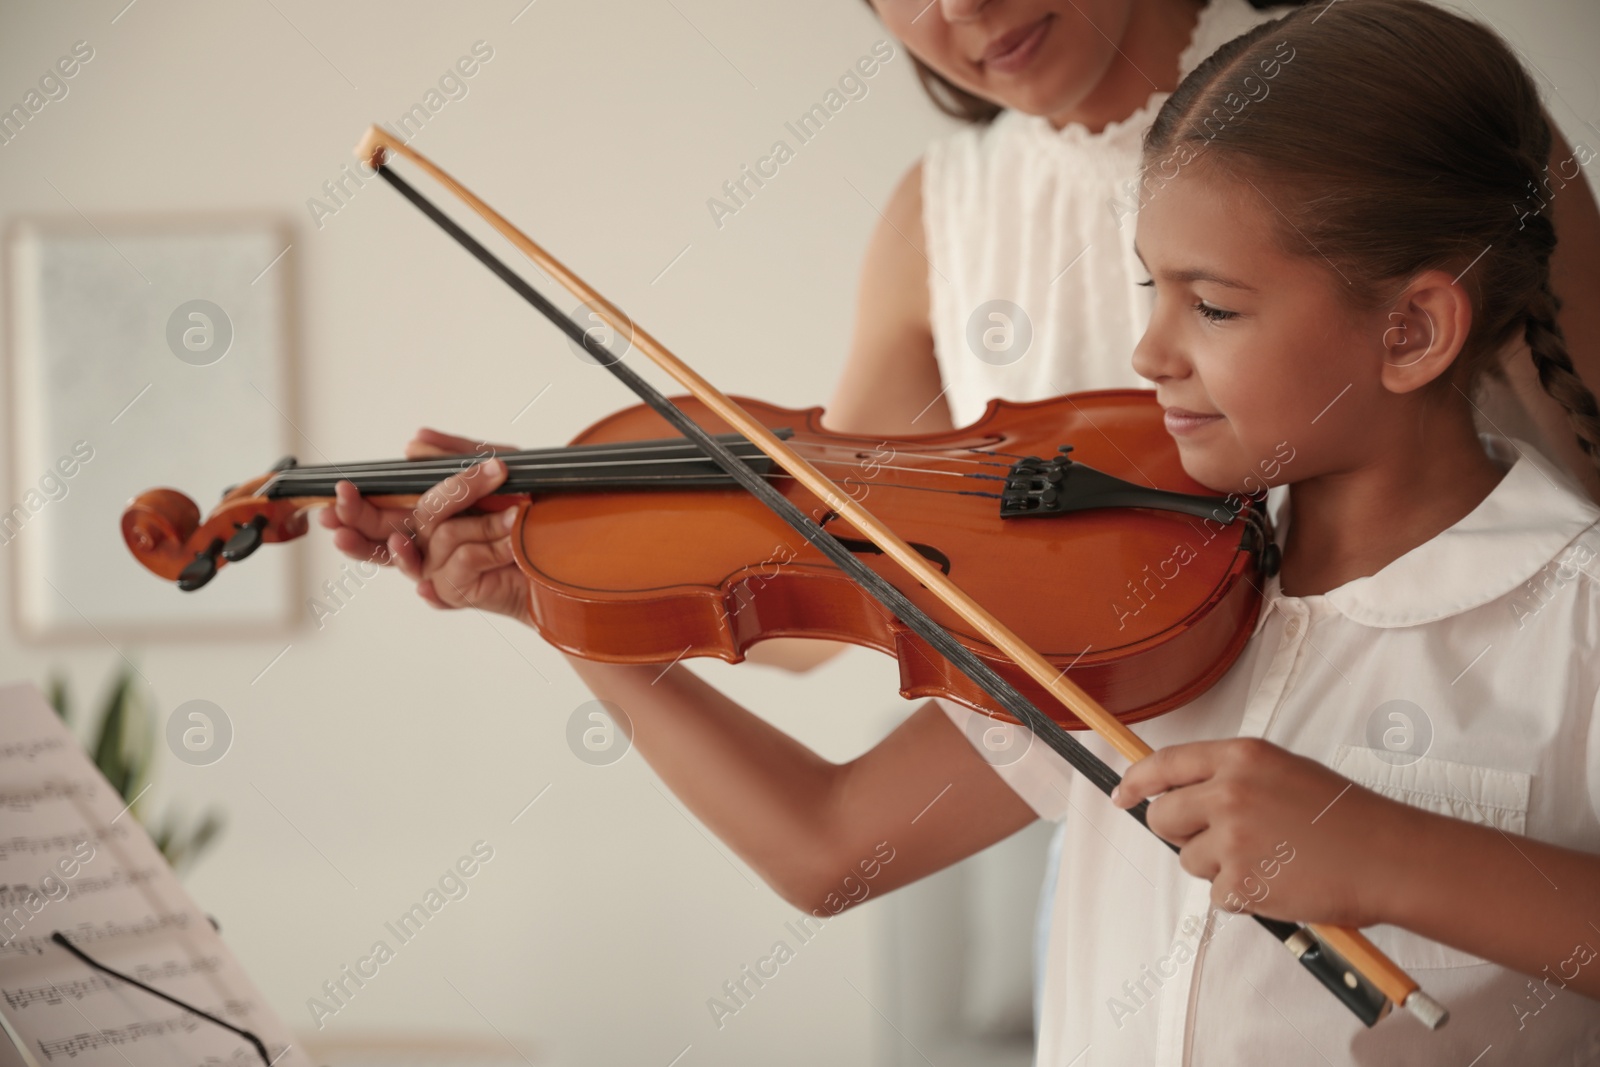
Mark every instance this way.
x=1213 y=314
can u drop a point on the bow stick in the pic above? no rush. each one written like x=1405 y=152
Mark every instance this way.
x=1342 y=959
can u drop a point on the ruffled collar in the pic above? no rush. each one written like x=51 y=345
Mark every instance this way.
x=1534 y=512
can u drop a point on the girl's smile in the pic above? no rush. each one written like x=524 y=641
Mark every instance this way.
x=1181 y=421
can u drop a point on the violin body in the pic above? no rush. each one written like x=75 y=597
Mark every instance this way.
x=1146 y=606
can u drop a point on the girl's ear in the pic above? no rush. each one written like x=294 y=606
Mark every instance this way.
x=1426 y=328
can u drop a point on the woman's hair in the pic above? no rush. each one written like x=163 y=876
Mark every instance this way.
x=1392 y=137
x=960 y=104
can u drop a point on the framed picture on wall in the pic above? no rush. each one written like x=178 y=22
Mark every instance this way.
x=142 y=353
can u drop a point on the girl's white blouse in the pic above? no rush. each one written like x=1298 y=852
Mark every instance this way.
x=1464 y=678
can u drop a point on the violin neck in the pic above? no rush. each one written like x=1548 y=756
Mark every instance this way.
x=665 y=463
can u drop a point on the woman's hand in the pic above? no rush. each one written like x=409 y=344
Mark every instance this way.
x=1275 y=833
x=456 y=560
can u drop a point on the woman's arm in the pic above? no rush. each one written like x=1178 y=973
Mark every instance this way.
x=890 y=384
x=801 y=822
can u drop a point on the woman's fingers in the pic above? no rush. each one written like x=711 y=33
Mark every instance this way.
x=429 y=443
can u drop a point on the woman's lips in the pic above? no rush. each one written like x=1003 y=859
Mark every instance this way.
x=1180 y=421
x=1013 y=51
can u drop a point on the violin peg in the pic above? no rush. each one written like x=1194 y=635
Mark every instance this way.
x=201 y=569
x=245 y=540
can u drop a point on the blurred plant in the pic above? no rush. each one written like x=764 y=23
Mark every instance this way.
x=123 y=748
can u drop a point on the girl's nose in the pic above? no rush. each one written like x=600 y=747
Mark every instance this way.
x=962 y=10
x=1156 y=359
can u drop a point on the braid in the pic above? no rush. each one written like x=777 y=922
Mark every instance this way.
x=1548 y=346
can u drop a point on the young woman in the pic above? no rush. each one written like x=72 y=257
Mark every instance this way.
x=796 y=818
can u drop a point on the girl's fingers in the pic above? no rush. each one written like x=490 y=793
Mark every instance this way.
x=355 y=546
x=462 y=577
x=426 y=591
x=352 y=510
x=406 y=555
x=1180 y=814
x=1167 y=768
x=1202 y=859
x=472 y=561
x=469 y=530
x=455 y=494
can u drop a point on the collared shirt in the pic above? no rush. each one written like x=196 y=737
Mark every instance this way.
x=1461 y=678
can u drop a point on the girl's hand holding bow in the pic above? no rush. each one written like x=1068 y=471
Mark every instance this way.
x=1275 y=833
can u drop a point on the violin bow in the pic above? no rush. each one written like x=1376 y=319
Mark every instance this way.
x=1342 y=959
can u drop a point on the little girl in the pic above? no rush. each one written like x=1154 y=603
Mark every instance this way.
x=1464 y=558
x=1411 y=740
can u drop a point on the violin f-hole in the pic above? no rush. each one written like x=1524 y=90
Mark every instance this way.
x=861 y=545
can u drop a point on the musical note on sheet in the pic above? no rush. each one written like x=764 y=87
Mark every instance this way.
x=73 y=860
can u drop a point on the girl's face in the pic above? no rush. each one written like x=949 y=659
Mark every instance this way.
x=1261 y=344
x=1042 y=57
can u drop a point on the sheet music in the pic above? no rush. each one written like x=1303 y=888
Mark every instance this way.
x=72 y=859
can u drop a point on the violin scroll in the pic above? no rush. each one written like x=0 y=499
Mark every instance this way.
x=157 y=526
x=164 y=531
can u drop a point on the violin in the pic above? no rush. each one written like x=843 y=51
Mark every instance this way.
x=1071 y=519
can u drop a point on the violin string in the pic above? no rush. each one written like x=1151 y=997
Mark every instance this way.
x=451 y=463
x=441 y=467
x=325 y=487
x=458 y=462
x=896 y=453
x=892 y=484
x=411 y=472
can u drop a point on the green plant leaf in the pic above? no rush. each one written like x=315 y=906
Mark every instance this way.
x=124 y=748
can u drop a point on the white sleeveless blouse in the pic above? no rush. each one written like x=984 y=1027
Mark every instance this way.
x=1032 y=280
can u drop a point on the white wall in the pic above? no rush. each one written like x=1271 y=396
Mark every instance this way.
x=378 y=749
